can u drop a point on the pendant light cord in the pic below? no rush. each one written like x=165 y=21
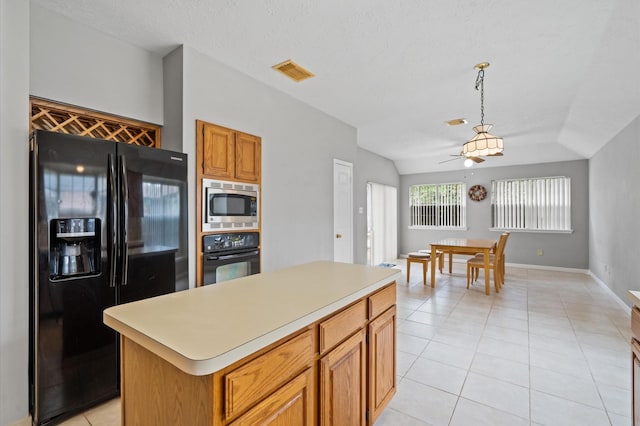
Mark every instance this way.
x=480 y=83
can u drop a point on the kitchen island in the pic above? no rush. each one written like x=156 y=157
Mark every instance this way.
x=314 y=343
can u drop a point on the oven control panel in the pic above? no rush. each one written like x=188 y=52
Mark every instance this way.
x=215 y=243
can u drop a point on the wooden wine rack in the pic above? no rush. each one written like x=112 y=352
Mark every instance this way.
x=57 y=117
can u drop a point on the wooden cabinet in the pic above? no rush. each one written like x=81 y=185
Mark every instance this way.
x=249 y=383
x=248 y=156
x=635 y=381
x=340 y=370
x=229 y=154
x=218 y=151
x=155 y=392
x=342 y=325
x=635 y=365
x=368 y=355
x=343 y=383
x=382 y=362
x=292 y=404
x=382 y=300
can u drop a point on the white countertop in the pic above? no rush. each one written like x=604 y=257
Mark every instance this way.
x=634 y=297
x=205 y=329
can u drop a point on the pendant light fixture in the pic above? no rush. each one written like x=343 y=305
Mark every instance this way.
x=483 y=143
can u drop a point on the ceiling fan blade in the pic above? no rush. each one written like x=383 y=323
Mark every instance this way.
x=477 y=159
x=497 y=154
x=446 y=161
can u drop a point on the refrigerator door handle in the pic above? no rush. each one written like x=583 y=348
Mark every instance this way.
x=124 y=242
x=113 y=217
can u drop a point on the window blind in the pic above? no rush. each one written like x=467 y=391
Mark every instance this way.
x=532 y=203
x=438 y=205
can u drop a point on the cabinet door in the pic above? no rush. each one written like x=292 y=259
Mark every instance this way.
x=247 y=158
x=251 y=382
x=343 y=383
x=635 y=380
x=292 y=404
x=218 y=152
x=382 y=362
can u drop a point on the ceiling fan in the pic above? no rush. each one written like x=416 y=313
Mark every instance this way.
x=461 y=156
x=476 y=160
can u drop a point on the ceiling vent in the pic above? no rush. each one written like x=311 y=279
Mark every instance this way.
x=294 y=71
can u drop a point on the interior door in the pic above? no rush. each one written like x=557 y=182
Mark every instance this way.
x=342 y=211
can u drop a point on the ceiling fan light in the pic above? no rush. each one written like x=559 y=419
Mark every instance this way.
x=483 y=143
x=468 y=162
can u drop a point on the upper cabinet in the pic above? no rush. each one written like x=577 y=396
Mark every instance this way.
x=218 y=149
x=229 y=154
x=247 y=157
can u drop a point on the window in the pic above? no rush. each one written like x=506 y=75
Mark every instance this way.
x=438 y=206
x=532 y=204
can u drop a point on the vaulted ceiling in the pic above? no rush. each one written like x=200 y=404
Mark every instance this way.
x=564 y=74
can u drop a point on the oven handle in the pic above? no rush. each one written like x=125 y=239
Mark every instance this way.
x=234 y=256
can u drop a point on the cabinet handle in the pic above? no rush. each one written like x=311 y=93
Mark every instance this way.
x=338 y=235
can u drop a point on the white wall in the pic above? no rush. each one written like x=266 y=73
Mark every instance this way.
x=559 y=250
x=14 y=189
x=614 y=205
x=75 y=64
x=46 y=55
x=298 y=147
x=173 y=100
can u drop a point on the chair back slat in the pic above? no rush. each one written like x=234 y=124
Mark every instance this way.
x=502 y=242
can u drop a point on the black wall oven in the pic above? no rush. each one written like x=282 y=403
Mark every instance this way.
x=229 y=256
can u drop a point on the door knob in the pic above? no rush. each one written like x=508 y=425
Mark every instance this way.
x=338 y=235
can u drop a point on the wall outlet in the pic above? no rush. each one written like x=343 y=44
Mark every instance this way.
x=540 y=252
x=361 y=210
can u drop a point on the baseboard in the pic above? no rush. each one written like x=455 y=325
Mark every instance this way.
x=22 y=422
x=558 y=269
x=611 y=293
x=548 y=268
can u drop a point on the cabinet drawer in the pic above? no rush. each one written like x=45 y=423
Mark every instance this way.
x=635 y=322
x=251 y=382
x=382 y=300
x=291 y=404
x=342 y=325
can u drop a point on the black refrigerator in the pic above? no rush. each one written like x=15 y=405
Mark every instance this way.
x=108 y=226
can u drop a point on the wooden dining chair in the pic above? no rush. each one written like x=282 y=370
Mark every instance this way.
x=504 y=235
x=496 y=263
x=475 y=271
x=424 y=258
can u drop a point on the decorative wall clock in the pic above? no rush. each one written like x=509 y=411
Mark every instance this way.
x=477 y=193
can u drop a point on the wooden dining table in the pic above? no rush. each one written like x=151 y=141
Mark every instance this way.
x=463 y=246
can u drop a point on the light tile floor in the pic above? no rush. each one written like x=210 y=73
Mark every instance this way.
x=550 y=349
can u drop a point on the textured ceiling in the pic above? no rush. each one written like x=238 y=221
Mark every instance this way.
x=563 y=78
